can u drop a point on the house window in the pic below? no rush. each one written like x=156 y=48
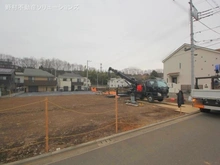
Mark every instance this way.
x=174 y=80
x=179 y=65
x=3 y=78
x=17 y=80
x=78 y=80
x=31 y=78
x=64 y=79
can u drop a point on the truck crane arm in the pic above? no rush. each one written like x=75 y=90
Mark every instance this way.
x=133 y=81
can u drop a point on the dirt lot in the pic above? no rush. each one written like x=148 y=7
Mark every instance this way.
x=73 y=119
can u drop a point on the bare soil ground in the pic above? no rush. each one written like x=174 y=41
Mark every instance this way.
x=73 y=119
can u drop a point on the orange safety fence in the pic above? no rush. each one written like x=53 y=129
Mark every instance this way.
x=43 y=121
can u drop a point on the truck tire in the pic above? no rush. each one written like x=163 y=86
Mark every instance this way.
x=160 y=100
x=205 y=110
x=150 y=99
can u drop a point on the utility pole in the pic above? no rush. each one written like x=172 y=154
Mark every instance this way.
x=87 y=76
x=193 y=14
x=100 y=67
x=101 y=72
x=97 y=79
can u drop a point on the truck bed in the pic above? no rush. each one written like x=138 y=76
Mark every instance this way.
x=207 y=94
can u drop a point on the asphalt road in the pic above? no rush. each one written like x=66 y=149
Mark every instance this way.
x=195 y=141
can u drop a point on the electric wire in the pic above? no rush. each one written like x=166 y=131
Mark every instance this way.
x=213 y=44
x=209 y=27
x=206 y=29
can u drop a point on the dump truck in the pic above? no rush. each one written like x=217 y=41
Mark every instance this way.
x=207 y=99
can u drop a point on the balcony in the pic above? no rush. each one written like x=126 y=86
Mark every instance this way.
x=40 y=83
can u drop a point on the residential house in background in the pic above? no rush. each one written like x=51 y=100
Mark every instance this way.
x=177 y=67
x=19 y=80
x=7 y=64
x=36 y=80
x=72 y=82
x=7 y=79
x=117 y=82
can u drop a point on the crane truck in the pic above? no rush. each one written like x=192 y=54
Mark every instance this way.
x=152 y=89
x=207 y=99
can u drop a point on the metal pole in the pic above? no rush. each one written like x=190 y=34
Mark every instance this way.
x=192 y=45
x=97 y=80
x=87 y=76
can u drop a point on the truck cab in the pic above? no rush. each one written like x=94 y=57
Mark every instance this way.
x=156 y=89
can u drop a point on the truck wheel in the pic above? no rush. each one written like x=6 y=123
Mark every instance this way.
x=150 y=99
x=160 y=100
x=205 y=110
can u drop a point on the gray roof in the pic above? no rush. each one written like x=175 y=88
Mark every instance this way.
x=6 y=71
x=36 y=73
x=69 y=75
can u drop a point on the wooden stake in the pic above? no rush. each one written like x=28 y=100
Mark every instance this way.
x=46 y=125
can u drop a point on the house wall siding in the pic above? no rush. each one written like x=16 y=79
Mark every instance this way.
x=77 y=85
x=172 y=65
x=204 y=63
x=21 y=78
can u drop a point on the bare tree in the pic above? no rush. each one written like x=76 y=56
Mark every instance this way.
x=30 y=62
x=56 y=63
x=68 y=66
x=65 y=65
x=159 y=70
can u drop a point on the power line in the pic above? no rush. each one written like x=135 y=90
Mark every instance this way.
x=209 y=27
x=209 y=40
x=215 y=3
x=217 y=6
x=208 y=13
x=209 y=3
x=213 y=44
x=199 y=2
x=206 y=29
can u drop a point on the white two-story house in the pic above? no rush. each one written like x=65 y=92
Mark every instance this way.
x=177 y=67
x=72 y=82
x=117 y=82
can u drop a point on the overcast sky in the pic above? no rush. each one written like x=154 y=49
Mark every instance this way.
x=116 y=33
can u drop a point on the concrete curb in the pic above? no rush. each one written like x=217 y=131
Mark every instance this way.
x=65 y=153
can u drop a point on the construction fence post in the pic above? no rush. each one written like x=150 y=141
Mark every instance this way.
x=46 y=125
x=116 y=114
